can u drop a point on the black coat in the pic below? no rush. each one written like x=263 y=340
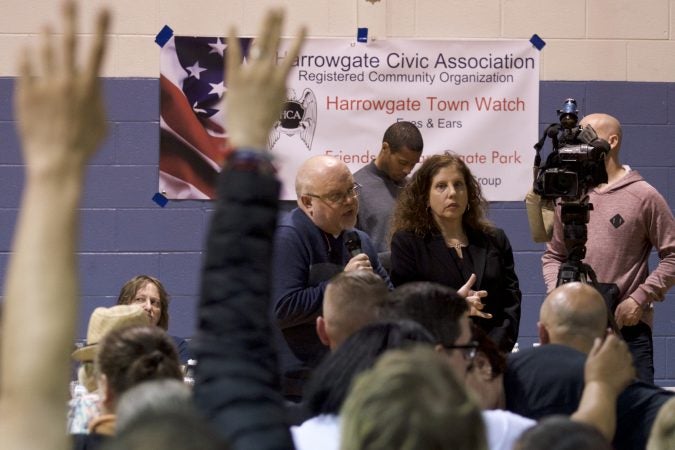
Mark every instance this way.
x=416 y=258
x=237 y=379
x=549 y=380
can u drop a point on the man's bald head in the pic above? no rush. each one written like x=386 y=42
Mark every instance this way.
x=313 y=173
x=573 y=314
x=606 y=126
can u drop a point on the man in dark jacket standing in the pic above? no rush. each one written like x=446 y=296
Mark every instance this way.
x=311 y=246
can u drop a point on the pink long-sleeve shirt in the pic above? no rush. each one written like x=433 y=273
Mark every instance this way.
x=628 y=218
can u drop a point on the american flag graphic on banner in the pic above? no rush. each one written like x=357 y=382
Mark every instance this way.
x=340 y=97
x=192 y=136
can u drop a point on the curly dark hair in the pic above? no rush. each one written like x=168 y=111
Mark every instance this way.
x=412 y=212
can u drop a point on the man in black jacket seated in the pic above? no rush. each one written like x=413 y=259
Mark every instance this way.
x=550 y=379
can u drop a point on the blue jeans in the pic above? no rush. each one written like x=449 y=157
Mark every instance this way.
x=639 y=340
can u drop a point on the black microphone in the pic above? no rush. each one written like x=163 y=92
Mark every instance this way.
x=353 y=243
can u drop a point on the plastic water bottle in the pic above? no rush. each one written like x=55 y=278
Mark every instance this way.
x=189 y=377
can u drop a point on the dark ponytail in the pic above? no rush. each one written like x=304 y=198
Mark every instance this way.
x=130 y=356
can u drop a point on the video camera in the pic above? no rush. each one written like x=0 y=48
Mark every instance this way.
x=577 y=161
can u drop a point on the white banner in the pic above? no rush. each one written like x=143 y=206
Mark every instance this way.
x=479 y=99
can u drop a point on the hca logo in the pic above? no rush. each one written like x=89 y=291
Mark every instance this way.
x=297 y=117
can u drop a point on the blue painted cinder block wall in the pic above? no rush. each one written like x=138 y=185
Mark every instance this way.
x=125 y=233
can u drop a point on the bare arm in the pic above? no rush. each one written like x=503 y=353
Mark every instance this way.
x=539 y=216
x=607 y=372
x=555 y=253
x=59 y=109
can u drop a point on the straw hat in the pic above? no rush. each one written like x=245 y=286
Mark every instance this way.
x=103 y=321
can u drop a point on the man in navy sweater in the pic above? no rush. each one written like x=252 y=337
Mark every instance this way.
x=309 y=250
x=549 y=379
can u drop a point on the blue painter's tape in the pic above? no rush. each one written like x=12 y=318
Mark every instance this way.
x=164 y=35
x=160 y=199
x=537 y=41
x=362 y=34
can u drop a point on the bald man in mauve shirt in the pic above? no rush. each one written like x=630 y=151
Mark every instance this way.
x=629 y=218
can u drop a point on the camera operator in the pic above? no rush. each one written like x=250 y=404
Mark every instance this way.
x=629 y=218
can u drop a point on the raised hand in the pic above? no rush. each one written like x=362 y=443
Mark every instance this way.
x=58 y=103
x=607 y=372
x=610 y=363
x=59 y=110
x=257 y=90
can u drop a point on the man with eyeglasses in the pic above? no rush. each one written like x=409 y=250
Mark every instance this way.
x=383 y=179
x=445 y=314
x=310 y=248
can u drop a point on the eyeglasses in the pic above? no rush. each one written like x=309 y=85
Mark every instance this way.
x=468 y=350
x=339 y=197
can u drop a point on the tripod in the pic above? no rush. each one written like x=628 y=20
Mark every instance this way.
x=575 y=216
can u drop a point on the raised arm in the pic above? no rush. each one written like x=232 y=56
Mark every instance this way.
x=237 y=382
x=59 y=109
x=607 y=372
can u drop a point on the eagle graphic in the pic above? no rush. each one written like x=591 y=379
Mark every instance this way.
x=297 y=117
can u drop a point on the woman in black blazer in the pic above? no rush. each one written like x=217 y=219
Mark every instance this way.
x=441 y=234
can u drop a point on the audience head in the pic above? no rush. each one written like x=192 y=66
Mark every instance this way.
x=327 y=193
x=444 y=313
x=149 y=293
x=485 y=378
x=155 y=397
x=402 y=146
x=417 y=206
x=562 y=433
x=130 y=356
x=662 y=436
x=411 y=399
x=101 y=322
x=352 y=300
x=167 y=431
x=573 y=314
x=331 y=380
